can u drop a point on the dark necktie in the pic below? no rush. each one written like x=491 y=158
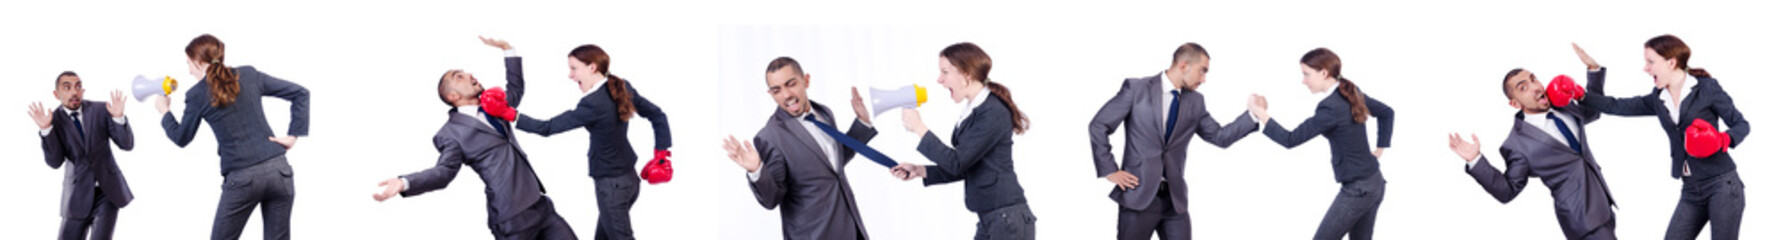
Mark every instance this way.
x=1174 y=108
x=1566 y=130
x=77 y=126
x=494 y=123
x=856 y=145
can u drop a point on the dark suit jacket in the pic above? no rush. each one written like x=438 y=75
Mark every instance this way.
x=609 y=148
x=511 y=184
x=1349 y=155
x=1707 y=101
x=1580 y=196
x=88 y=157
x=816 y=201
x=983 y=158
x=240 y=128
x=1146 y=154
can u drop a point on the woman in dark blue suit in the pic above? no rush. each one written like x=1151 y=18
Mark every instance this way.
x=255 y=172
x=605 y=111
x=1711 y=189
x=1341 y=118
x=982 y=154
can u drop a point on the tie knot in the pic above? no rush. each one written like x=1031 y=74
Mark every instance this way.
x=1554 y=117
x=811 y=118
x=1175 y=92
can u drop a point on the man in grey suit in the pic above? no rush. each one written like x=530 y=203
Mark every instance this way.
x=517 y=206
x=1549 y=143
x=1160 y=113
x=93 y=187
x=794 y=165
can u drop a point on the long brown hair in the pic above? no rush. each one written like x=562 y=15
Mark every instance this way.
x=1326 y=60
x=1671 y=47
x=615 y=86
x=974 y=63
x=224 y=84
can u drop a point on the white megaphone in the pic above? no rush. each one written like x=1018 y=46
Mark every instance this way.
x=144 y=87
x=912 y=96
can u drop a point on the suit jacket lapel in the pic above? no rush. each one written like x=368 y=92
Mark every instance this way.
x=793 y=125
x=1147 y=113
x=1688 y=103
x=1181 y=119
x=457 y=118
x=69 y=135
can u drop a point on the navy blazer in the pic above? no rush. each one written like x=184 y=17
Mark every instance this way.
x=1349 y=155
x=983 y=157
x=1707 y=101
x=509 y=182
x=88 y=157
x=240 y=128
x=609 y=150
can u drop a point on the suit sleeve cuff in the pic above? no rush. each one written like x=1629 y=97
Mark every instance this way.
x=510 y=53
x=754 y=176
x=120 y=120
x=45 y=131
x=1474 y=162
x=404 y=183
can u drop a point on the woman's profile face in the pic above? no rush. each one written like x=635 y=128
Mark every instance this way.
x=1314 y=79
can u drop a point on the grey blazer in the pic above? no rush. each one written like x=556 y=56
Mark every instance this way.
x=813 y=195
x=1146 y=154
x=511 y=184
x=1579 y=194
x=88 y=157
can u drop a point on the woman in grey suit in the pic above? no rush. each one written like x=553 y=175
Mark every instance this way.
x=982 y=154
x=1341 y=118
x=253 y=162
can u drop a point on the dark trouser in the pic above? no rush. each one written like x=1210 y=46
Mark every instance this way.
x=267 y=185
x=1718 y=199
x=538 y=222
x=1354 y=210
x=615 y=195
x=1010 y=222
x=1604 y=232
x=1159 y=217
x=102 y=218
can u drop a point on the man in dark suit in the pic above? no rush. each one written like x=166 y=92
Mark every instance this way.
x=94 y=188
x=1151 y=191
x=517 y=206
x=793 y=164
x=1549 y=143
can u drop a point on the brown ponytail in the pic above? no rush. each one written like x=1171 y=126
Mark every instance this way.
x=975 y=64
x=224 y=84
x=1326 y=60
x=1671 y=47
x=615 y=86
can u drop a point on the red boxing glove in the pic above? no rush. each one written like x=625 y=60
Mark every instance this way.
x=1701 y=140
x=658 y=170
x=1562 y=90
x=494 y=101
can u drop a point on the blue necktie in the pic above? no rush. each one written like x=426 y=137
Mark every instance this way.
x=77 y=126
x=1566 y=130
x=1174 y=108
x=856 y=145
x=494 y=122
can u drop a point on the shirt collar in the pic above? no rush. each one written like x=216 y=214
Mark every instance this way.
x=1326 y=93
x=597 y=86
x=71 y=112
x=1168 y=83
x=472 y=110
x=1687 y=86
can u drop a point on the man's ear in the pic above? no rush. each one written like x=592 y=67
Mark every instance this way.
x=1512 y=103
x=806 y=80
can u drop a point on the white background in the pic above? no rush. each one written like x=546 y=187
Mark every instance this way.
x=371 y=69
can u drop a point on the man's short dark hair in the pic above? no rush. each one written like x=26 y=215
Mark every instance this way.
x=783 y=62
x=446 y=89
x=1511 y=75
x=1190 y=52
x=64 y=74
